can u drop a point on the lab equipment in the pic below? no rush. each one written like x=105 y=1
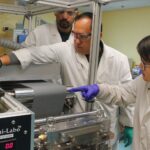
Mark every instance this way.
x=10 y=44
x=36 y=87
x=16 y=124
x=19 y=35
x=84 y=131
x=41 y=91
x=136 y=71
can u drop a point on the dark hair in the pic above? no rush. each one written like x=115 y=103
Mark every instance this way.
x=86 y=15
x=143 y=48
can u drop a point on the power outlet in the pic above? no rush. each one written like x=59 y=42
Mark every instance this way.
x=5 y=29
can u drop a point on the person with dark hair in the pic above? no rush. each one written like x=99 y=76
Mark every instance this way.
x=113 y=68
x=50 y=33
x=136 y=91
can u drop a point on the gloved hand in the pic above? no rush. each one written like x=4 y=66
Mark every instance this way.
x=88 y=91
x=127 y=136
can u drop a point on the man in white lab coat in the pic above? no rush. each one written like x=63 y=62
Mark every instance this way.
x=113 y=66
x=137 y=91
x=57 y=32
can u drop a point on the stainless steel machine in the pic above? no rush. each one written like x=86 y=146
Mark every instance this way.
x=83 y=131
x=16 y=124
x=39 y=89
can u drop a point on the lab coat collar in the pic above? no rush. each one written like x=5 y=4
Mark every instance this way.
x=148 y=85
x=147 y=110
x=82 y=60
x=54 y=31
x=107 y=53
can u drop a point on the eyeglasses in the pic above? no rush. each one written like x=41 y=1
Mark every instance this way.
x=70 y=13
x=144 y=65
x=80 y=36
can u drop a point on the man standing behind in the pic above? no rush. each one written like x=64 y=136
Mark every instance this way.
x=53 y=33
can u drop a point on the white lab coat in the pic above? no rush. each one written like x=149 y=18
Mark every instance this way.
x=43 y=35
x=139 y=91
x=113 y=68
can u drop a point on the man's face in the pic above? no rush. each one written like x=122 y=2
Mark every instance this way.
x=65 y=18
x=82 y=35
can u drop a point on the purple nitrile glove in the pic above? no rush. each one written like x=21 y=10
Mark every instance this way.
x=88 y=91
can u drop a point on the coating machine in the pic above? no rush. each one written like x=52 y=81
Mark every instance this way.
x=38 y=90
x=16 y=124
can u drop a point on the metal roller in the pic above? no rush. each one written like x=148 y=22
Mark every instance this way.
x=24 y=93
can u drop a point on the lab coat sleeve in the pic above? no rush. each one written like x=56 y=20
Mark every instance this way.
x=123 y=95
x=126 y=113
x=39 y=55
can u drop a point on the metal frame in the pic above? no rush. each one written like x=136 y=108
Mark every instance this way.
x=5 y=8
x=94 y=50
x=35 y=7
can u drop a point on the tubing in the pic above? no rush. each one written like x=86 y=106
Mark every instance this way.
x=10 y=44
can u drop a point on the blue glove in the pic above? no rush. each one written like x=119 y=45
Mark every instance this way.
x=88 y=91
x=127 y=136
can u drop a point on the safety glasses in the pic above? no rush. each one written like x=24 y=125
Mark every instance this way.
x=81 y=36
x=144 y=65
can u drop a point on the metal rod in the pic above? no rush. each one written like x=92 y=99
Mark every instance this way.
x=12 y=9
x=62 y=118
x=30 y=23
x=94 y=50
x=63 y=5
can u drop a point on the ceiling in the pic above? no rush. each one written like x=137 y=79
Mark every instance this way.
x=125 y=4
x=117 y=4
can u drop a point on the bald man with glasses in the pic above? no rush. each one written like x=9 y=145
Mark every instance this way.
x=73 y=55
